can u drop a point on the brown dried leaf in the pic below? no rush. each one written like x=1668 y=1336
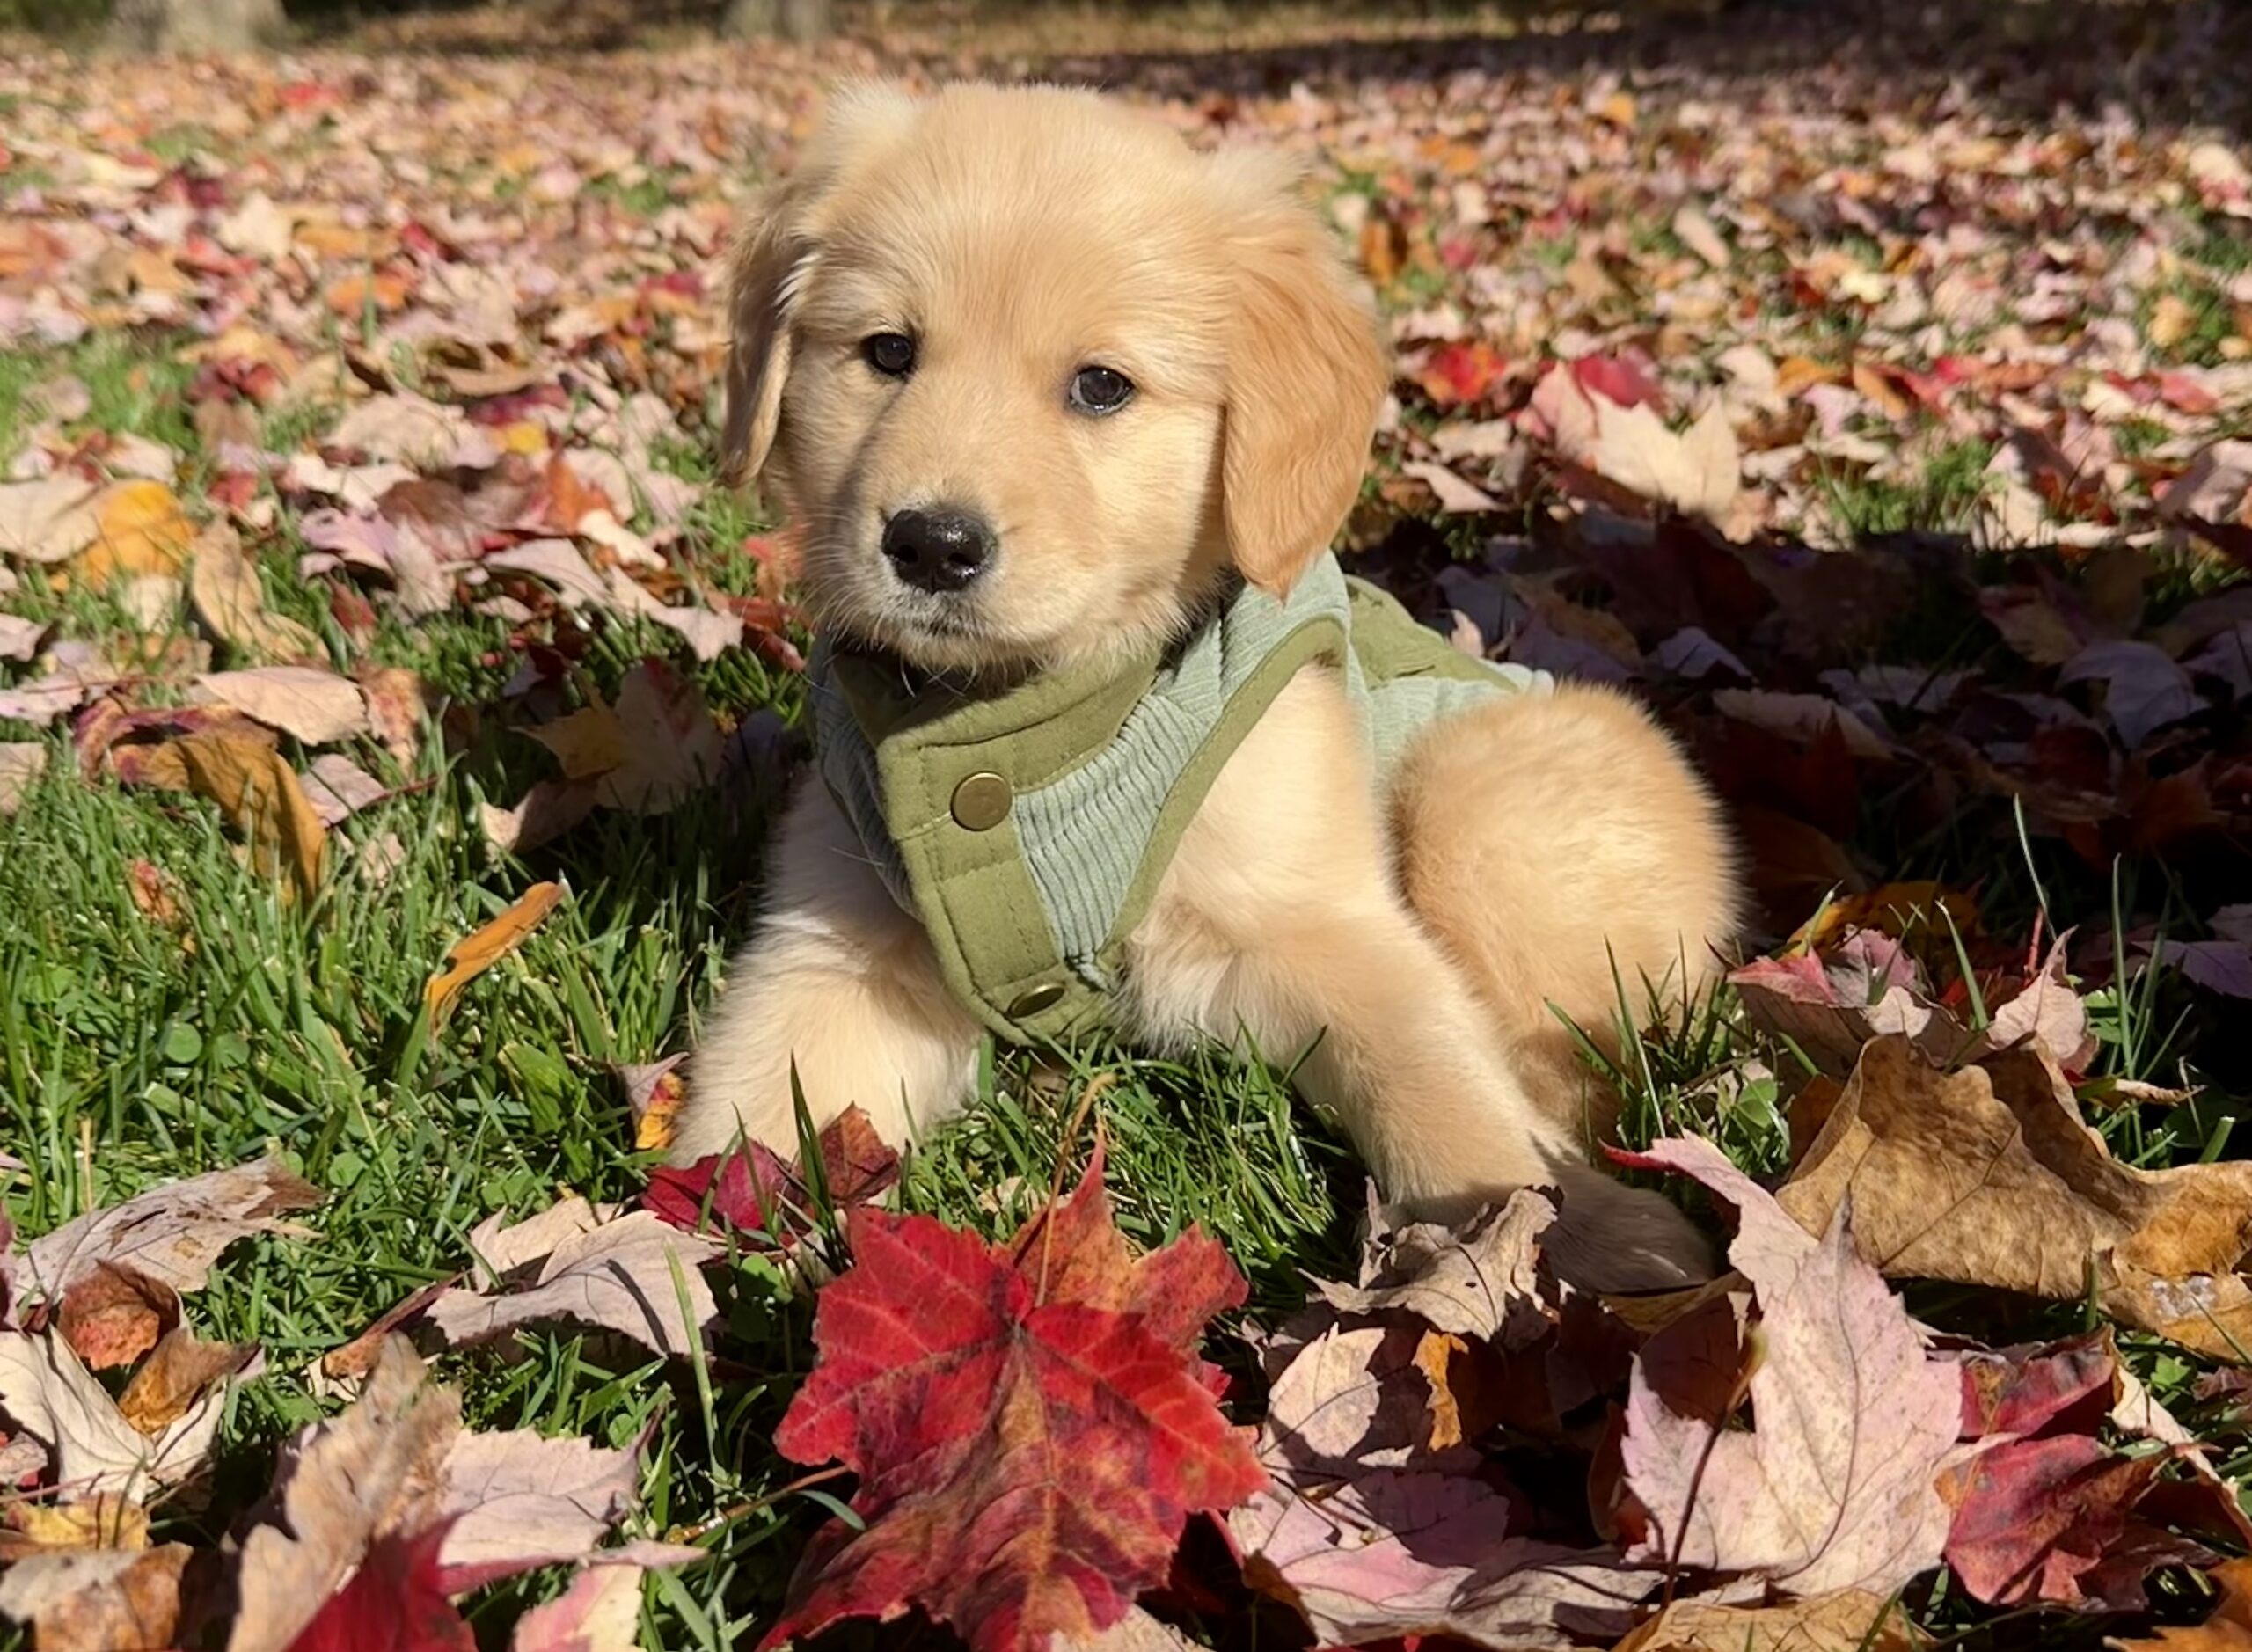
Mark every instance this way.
x=174 y=1232
x=1850 y=1621
x=1988 y=1177
x=258 y=794
x=177 y=1377
x=228 y=599
x=98 y=1600
x=311 y=704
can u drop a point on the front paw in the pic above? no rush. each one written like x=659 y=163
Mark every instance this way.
x=725 y=1106
x=1612 y=1238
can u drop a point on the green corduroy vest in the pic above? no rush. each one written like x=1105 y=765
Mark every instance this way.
x=1028 y=828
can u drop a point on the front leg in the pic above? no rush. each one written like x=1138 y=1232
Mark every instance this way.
x=1279 y=919
x=839 y=981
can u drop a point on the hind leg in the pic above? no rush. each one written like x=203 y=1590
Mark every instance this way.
x=1543 y=838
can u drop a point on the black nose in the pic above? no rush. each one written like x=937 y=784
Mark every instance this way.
x=938 y=550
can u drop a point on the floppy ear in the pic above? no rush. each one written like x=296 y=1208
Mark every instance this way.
x=1306 y=375
x=770 y=264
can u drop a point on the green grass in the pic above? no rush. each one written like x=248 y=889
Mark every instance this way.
x=135 y=1050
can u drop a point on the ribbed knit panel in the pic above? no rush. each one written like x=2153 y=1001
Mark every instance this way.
x=1084 y=834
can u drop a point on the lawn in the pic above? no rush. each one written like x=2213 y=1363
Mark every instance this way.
x=1959 y=599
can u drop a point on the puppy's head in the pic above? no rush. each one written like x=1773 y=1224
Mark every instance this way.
x=1033 y=374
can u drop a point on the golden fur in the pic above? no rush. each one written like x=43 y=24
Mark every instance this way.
x=1019 y=235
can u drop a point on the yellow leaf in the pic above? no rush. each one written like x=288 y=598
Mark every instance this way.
x=139 y=528
x=2171 y=321
x=473 y=954
x=658 y=1120
x=103 y=1521
x=259 y=794
x=588 y=742
x=228 y=598
x=525 y=437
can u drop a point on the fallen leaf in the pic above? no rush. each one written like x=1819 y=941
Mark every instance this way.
x=393 y=1602
x=550 y=809
x=173 y=1233
x=356 y=1358
x=176 y=1378
x=98 y=1600
x=2048 y=1520
x=952 y=1376
x=752 y=1192
x=1452 y=492
x=20 y=638
x=600 y=1612
x=48 y=520
x=473 y=954
x=1477 y=1281
x=338 y=788
x=1803 y=717
x=1987 y=1176
x=2144 y=688
x=139 y=528
x=313 y=704
x=395 y=709
x=105 y=1521
x=258 y=794
x=22 y=762
x=499 y=1248
x=2229 y=1628
x=1832 y=1488
x=228 y=599
x=655 y=1093
x=672 y=745
x=375 y=1471
x=517 y=1501
x=1400 y=1553
x=1695 y=230
x=92 y=1448
x=558 y=562
x=588 y=742
x=114 y=1315
x=1851 y=1621
x=634 y=1275
x=413 y=431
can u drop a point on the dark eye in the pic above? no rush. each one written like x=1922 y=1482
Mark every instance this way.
x=891 y=353
x=1101 y=390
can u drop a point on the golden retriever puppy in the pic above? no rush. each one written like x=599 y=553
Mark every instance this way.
x=1069 y=413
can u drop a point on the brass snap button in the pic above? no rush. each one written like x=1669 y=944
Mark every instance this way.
x=981 y=802
x=1046 y=996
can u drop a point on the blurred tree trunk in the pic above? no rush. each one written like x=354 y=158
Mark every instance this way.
x=196 y=25
x=798 y=21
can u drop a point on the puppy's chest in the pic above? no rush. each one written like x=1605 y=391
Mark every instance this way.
x=1030 y=830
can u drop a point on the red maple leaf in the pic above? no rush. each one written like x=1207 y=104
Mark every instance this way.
x=754 y=1192
x=393 y=1604
x=1030 y=1423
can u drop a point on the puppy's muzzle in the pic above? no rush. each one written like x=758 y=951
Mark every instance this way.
x=940 y=550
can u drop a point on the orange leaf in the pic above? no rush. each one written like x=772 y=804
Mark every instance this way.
x=139 y=528
x=176 y=1377
x=474 y=955
x=259 y=794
